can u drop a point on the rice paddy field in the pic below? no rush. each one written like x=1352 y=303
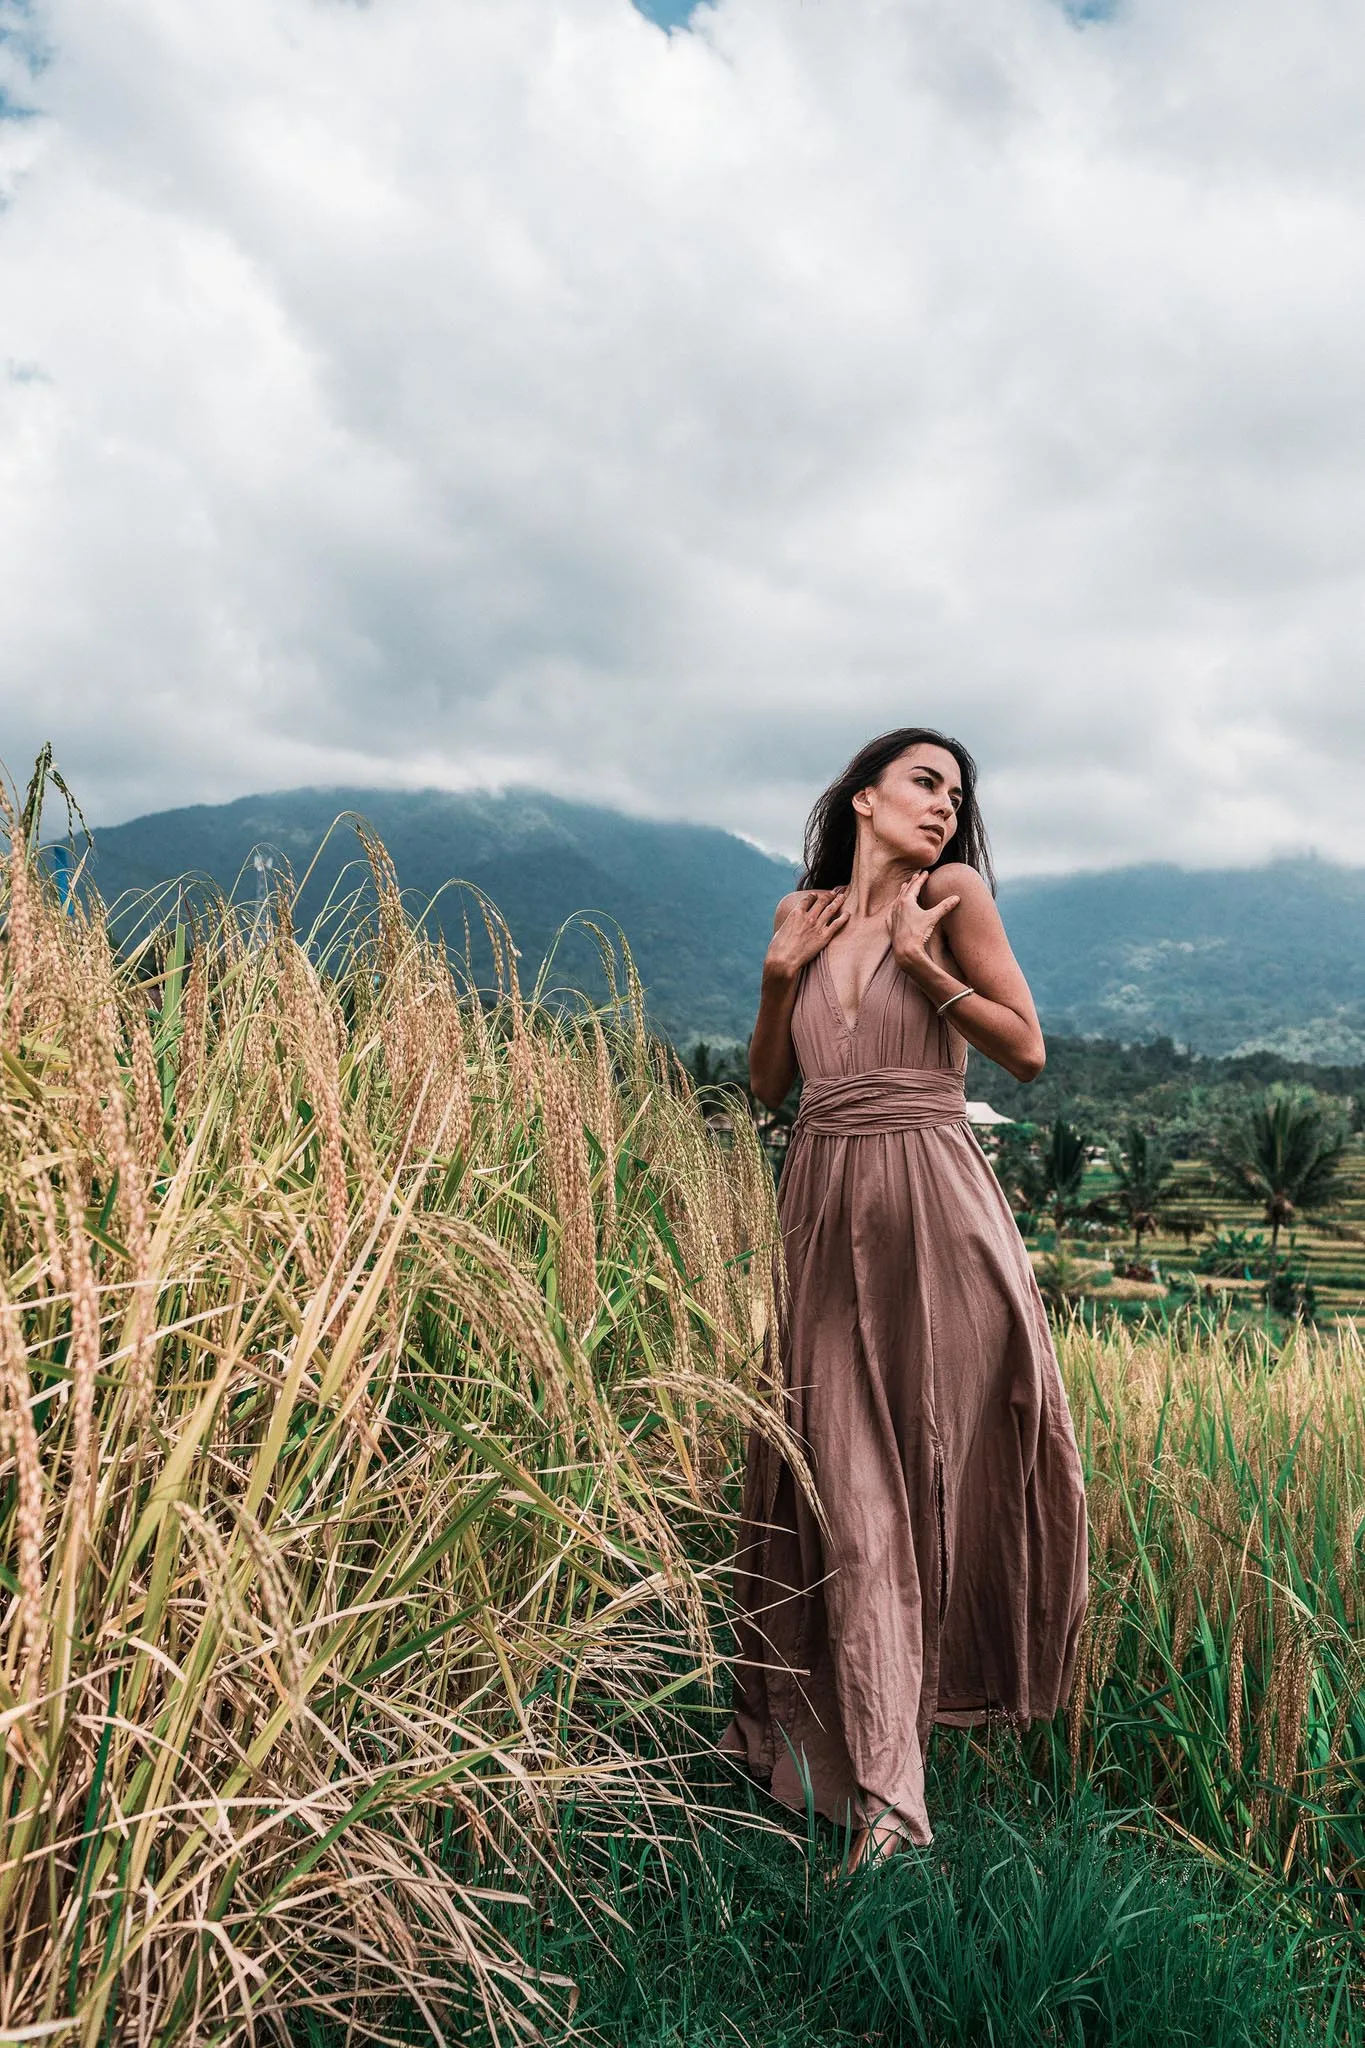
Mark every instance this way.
x=1330 y=1251
x=1327 y=1251
x=376 y=1361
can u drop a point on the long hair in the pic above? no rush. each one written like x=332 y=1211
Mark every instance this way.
x=832 y=828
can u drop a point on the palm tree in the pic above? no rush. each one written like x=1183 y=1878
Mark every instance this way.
x=1284 y=1151
x=1063 y=1165
x=1016 y=1161
x=706 y=1070
x=1141 y=1167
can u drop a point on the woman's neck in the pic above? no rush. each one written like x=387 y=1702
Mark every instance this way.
x=876 y=881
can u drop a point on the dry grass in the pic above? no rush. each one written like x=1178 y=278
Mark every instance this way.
x=371 y=1360
x=1221 y=1670
x=374 y=1361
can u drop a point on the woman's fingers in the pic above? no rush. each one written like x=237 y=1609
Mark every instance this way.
x=940 y=910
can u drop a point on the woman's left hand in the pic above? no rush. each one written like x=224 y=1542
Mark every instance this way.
x=912 y=926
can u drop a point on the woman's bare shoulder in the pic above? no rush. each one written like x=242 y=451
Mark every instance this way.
x=955 y=878
x=790 y=902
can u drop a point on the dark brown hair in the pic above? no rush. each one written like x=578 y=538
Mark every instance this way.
x=832 y=828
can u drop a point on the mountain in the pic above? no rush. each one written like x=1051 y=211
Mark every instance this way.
x=1223 y=960
x=1226 y=960
x=695 y=904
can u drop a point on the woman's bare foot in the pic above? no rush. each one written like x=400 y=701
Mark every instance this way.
x=883 y=1838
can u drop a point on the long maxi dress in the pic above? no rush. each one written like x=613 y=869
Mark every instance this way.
x=920 y=1375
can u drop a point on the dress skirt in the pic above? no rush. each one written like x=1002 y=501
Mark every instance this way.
x=919 y=1374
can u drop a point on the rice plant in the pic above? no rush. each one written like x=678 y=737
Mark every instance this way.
x=1033 y=1920
x=377 y=1354
x=1220 y=1673
x=372 y=1349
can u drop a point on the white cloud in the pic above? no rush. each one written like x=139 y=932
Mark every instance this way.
x=406 y=392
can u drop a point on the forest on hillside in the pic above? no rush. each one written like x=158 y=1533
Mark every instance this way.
x=1103 y=1084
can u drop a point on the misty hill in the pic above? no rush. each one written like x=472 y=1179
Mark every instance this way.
x=1224 y=960
x=1271 y=957
x=695 y=904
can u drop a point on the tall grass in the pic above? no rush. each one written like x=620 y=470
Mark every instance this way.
x=1031 y=1921
x=1221 y=1678
x=371 y=1358
x=376 y=1361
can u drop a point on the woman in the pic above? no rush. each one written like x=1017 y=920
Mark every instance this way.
x=950 y=1584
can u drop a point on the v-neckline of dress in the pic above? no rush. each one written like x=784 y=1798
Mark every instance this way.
x=850 y=1031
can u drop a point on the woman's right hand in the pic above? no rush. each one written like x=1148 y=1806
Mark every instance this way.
x=815 y=916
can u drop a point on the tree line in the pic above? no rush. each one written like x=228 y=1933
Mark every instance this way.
x=1284 y=1151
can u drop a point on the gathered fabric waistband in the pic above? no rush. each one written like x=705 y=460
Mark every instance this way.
x=881 y=1099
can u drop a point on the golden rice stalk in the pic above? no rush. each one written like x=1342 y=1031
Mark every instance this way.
x=1219 y=1675
x=367 y=1454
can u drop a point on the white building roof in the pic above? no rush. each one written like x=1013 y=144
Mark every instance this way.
x=982 y=1113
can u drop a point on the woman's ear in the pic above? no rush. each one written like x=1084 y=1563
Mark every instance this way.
x=861 y=804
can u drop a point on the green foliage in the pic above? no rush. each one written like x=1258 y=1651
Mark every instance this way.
x=1042 y=1172
x=1015 y=1154
x=1234 y=1255
x=1143 y=1177
x=1285 y=1150
x=1105 y=1085
x=1033 y=1920
x=1061 y=1276
x=1285 y=1153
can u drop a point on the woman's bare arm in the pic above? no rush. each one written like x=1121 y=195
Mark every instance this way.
x=803 y=924
x=954 y=904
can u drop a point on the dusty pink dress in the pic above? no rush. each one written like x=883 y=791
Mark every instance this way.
x=920 y=1374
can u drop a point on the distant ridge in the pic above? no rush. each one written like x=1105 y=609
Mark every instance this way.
x=1220 y=960
x=695 y=904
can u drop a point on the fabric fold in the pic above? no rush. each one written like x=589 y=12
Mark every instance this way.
x=880 y=1099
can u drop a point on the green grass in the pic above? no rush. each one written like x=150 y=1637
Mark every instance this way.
x=1335 y=1263
x=1030 y=1921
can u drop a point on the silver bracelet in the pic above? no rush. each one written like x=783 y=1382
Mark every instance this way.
x=954 y=999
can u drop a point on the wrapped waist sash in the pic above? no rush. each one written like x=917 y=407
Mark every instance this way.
x=881 y=1099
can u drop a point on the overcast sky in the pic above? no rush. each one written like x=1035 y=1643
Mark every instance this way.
x=471 y=391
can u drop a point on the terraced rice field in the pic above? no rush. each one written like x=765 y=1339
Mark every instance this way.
x=1330 y=1249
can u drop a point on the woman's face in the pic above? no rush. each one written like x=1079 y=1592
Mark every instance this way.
x=912 y=809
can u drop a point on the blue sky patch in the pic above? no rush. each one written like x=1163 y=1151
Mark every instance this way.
x=20 y=35
x=678 y=13
x=667 y=13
